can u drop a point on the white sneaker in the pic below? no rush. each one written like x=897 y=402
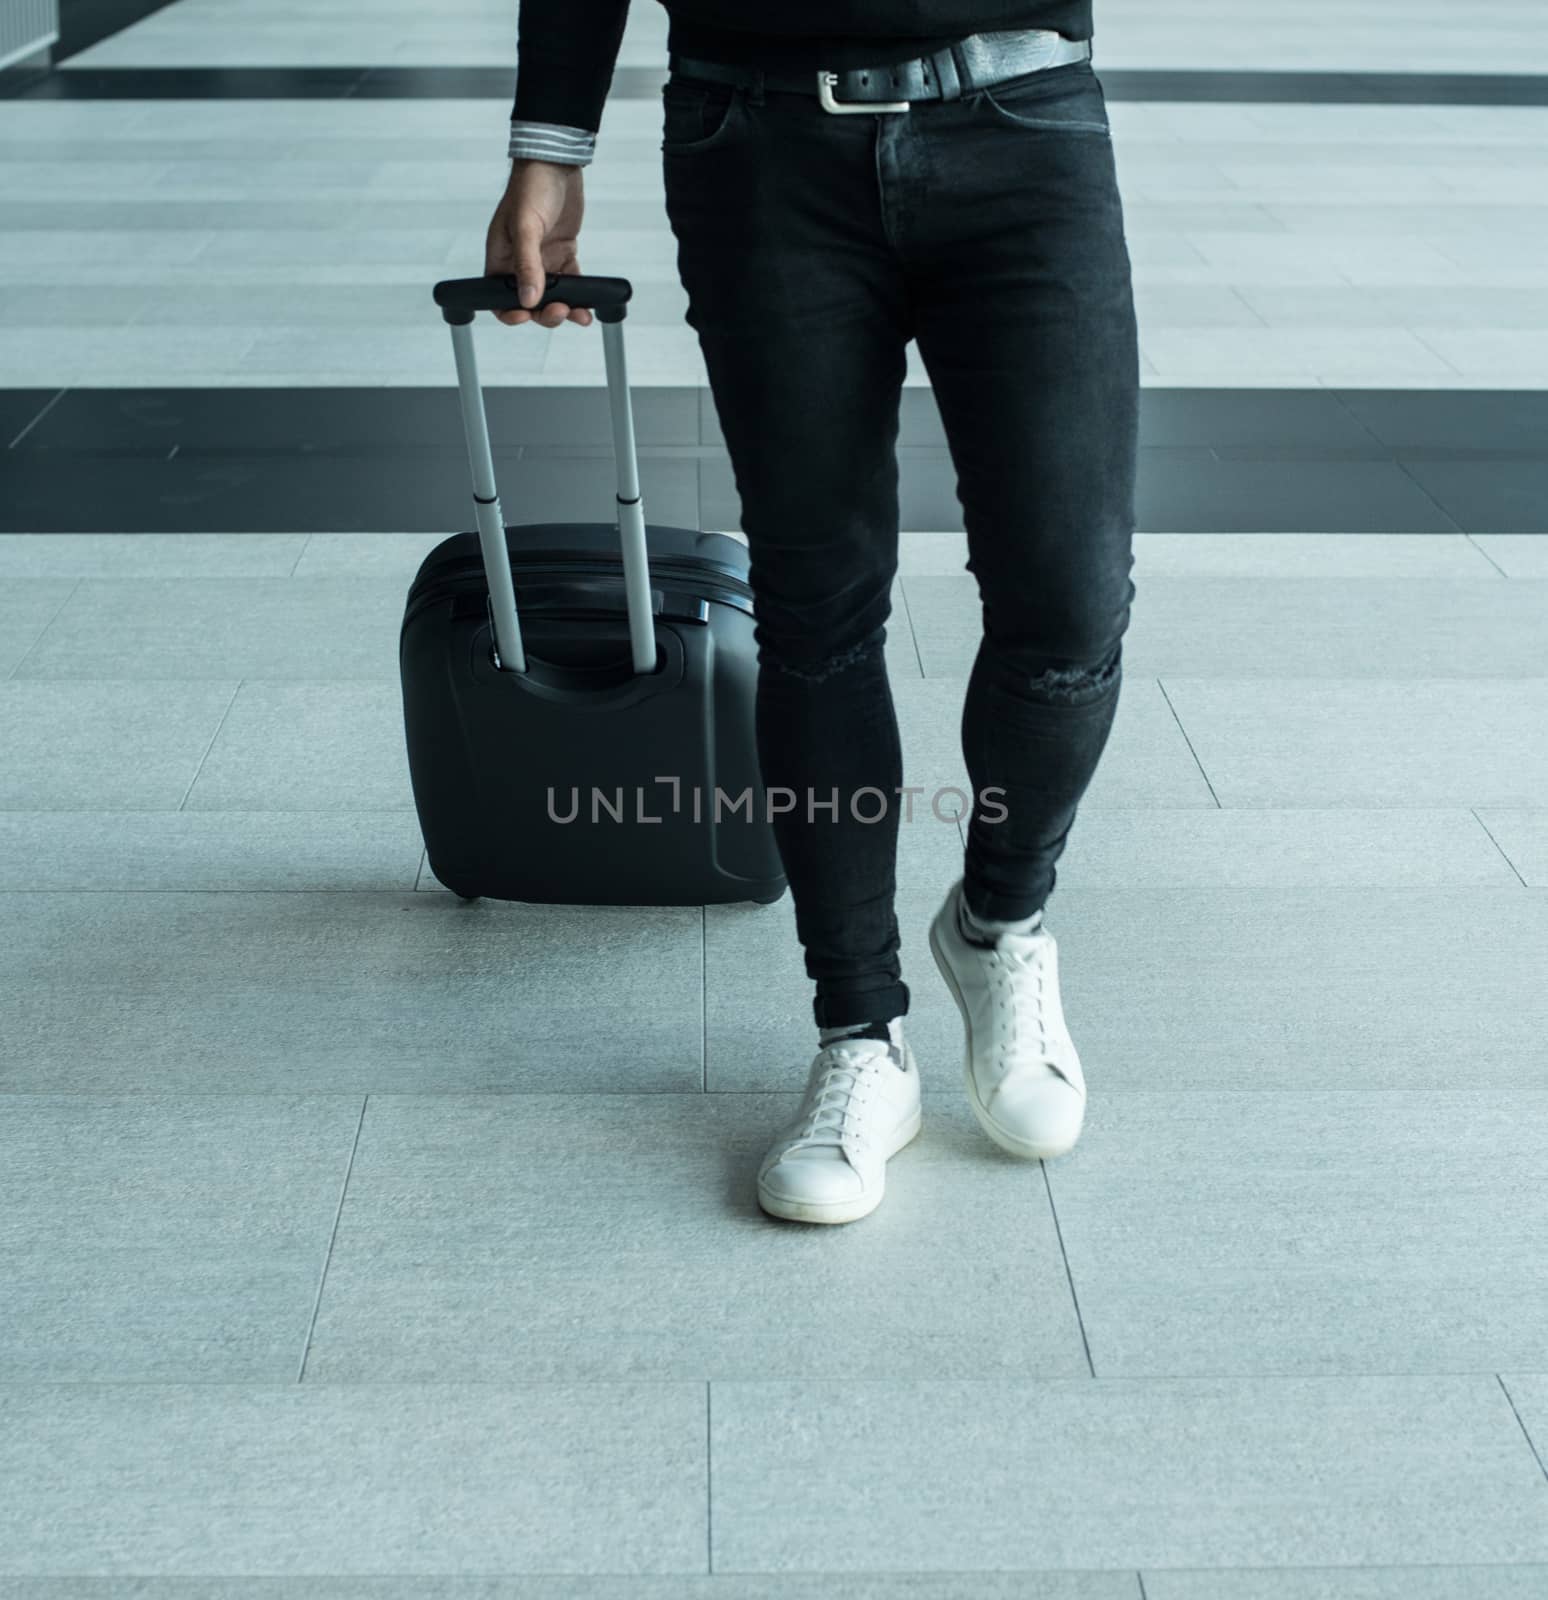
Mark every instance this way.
x=1024 y=1080
x=861 y=1107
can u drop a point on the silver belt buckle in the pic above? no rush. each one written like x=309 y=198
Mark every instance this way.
x=825 y=82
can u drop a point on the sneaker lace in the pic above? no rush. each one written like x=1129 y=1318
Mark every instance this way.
x=1018 y=976
x=837 y=1092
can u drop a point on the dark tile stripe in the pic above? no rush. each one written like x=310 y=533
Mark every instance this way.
x=1321 y=424
x=1330 y=88
x=497 y=83
x=189 y=83
x=275 y=460
x=475 y=83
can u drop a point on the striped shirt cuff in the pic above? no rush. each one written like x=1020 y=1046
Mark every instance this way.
x=551 y=141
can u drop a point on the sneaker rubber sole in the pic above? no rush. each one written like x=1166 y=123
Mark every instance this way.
x=1026 y=1149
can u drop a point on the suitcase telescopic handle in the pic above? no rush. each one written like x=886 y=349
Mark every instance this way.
x=460 y=299
x=497 y=292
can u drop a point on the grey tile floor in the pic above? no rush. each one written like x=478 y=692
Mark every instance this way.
x=357 y=1244
x=438 y=1251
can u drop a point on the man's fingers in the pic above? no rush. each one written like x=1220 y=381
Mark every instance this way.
x=530 y=277
x=551 y=316
x=499 y=261
x=499 y=249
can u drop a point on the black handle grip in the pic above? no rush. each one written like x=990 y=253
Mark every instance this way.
x=460 y=298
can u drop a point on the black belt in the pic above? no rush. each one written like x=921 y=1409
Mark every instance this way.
x=978 y=61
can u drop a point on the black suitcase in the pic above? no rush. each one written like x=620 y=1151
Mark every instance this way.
x=578 y=697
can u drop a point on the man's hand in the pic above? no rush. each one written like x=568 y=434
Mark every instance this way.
x=533 y=232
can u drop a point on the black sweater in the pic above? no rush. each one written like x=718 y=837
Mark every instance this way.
x=567 y=48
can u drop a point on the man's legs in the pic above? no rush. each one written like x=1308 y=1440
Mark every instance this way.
x=803 y=321
x=1025 y=322
x=813 y=247
x=1009 y=209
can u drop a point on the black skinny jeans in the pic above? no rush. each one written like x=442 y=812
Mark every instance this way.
x=813 y=247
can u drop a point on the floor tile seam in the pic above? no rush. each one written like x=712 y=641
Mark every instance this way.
x=1473 y=538
x=1069 y=1274
x=58 y=611
x=1360 y=1566
x=695 y=1383
x=1406 y=887
x=182 y=805
x=908 y=619
x=1535 y=679
x=1473 y=812
x=1417 y=334
x=1197 y=760
x=407 y=889
x=276 y=1095
x=333 y=1235
x=571 y=1575
x=35 y=420
x=1234 y=291
x=1526 y=1432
